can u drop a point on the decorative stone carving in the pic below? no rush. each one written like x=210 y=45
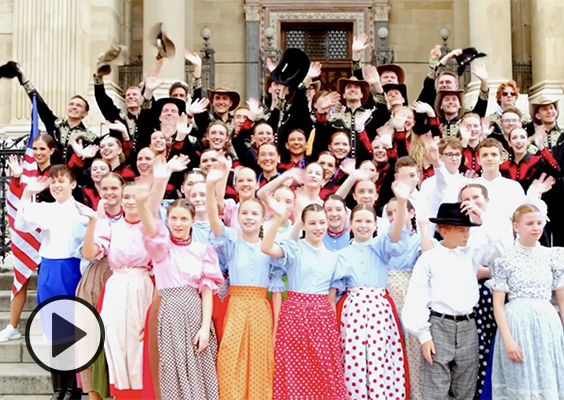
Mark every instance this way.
x=252 y=12
x=381 y=12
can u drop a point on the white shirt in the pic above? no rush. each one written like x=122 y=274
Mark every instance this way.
x=445 y=280
x=59 y=223
x=443 y=187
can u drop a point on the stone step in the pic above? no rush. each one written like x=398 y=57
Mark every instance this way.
x=6 y=279
x=5 y=320
x=24 y=379
x=15 y=351
x=30 y=302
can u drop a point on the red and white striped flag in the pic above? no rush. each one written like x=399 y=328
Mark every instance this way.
x=24 y=245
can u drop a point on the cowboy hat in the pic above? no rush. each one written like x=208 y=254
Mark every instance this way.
x=160 y=103
x=104 y=66
x=541 y=101
x=451 y=214
x=364 y=87
x=292 y=68
x=394 y=68
x=159 y=39
x=400 y=87
x=224 y=89
x=441 y=95
x=468 y=55
x=9 y=70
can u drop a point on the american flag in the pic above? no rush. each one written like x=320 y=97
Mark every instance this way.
x=24 y=245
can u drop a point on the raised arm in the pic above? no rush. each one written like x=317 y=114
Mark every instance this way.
x=401 y=192
x=142 y=196
x=212 y=181
x=267 y=190
x=267 y=245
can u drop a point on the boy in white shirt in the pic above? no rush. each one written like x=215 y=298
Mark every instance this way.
x=439 y=306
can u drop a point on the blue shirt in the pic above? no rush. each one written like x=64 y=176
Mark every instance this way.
x=406 y=261
x=245 y=263
x=366 y=264
x=337 y=243
x=309 y=270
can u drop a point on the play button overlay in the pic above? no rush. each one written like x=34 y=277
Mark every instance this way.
x=72 y=331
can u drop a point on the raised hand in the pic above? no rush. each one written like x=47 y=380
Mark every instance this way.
x=487 y=128
x=193 y=58
x=152 y=83
x=102 y=206
x=479 y=70
x=198 y=106
x=471 y=174
x=453 y=54
x=371 y=75
x=421 y=107
x=465 y=132
x=401 y=190
x=85 y=211
x=327 y=101
x=156 y=68
x=117 y=126
x=76 y=146
x=541 y=185
x=361 y=175
x=90 y=151
x=431 y=148
x=314 y=70
x=16 y=165
x=348 y=166
x=255 y=108
x=398 y=122
x=540 y=137
x=359 y=45
x=270 y=64
x=214 y=176
x=183 y=129
x=178 y=163
x=435 y=54
x=277 y=208
x=142 y=194
x=470 y=208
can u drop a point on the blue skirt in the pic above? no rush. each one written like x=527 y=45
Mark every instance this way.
x=57 y=277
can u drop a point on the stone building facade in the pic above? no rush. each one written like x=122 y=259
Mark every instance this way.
x=58 y=41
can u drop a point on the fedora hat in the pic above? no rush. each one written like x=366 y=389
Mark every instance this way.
x=292 y=68
x=450 y=214
x=105 y=61
x=160 y=103
x=224 y=89
x=400 y=87
x=541 y=101
x=441 y=95
x=159 y=39
x=364 y=87
x=394 y=68
x=468 y=55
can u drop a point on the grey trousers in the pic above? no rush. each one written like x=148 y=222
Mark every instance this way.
x=454 y=372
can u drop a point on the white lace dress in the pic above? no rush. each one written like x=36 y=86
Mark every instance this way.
x=528 y=276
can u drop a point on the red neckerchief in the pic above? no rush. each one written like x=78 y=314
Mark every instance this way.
x=336 y=234
x=116 y=216
x=181 y=242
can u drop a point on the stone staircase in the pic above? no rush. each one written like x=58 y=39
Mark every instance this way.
x=20 y=377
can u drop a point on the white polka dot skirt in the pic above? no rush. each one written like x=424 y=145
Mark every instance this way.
x=128 y=296
x=306 y=354
x=183 y=373
x=373 y=346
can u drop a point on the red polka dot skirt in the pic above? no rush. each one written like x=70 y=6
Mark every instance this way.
x=373 y=346
x=306 y=354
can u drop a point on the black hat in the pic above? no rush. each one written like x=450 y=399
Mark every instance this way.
x=292 y=69
x=468 y=55
x=397 y=86
x=10 y=70
x=451 y=214
x=160 y=103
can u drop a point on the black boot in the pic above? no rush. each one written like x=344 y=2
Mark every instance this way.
x=57 y=395
x=68 y=395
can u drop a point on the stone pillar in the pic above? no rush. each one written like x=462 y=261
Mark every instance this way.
x=172 y=14
x=490 y=33
x=547 y=36
x=252 y=51
x=51 y=40
x=381 y=13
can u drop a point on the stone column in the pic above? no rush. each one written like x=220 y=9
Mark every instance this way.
x=490 y=33
x=547 y=36
x=172 y=14
x=51 y=40
x=252 y=51
x=381 y=13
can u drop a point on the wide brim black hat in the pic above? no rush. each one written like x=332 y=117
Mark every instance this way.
x=468 y=55
x=160 y=103
x=292 y=68
x=9 y=70
x=451 y=214
x=397 y=86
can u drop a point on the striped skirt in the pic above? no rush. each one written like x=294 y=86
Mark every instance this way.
x=89 y=289
x=398 y=282
x=373 y=347
x=245 y=363
x=306 y=352
x=183 y=373
x=127 y=297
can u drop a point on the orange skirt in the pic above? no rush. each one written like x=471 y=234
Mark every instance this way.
x=245 y=362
